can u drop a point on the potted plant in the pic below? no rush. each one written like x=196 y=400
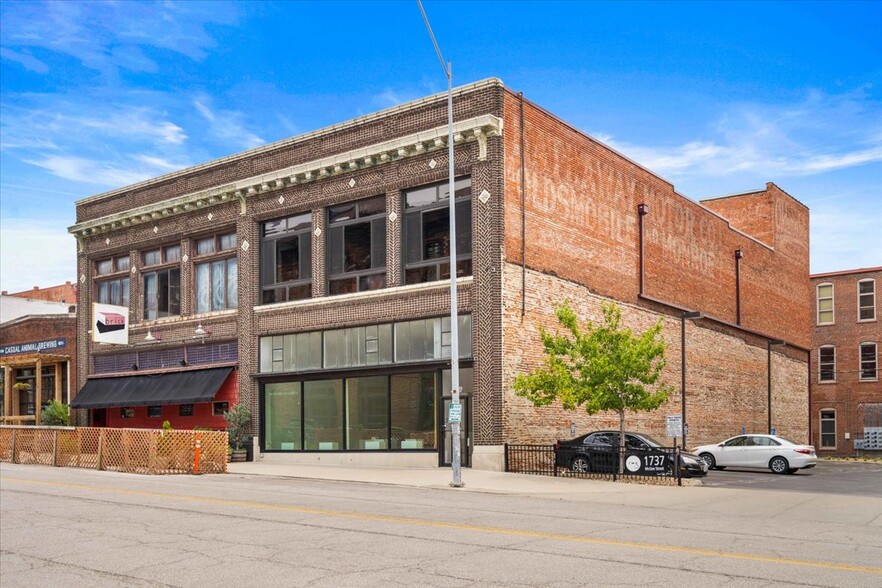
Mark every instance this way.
x=238 y=418
x=56 y=414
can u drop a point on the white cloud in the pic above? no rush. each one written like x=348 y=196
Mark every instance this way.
x=28 y=61
x=227 y=125
x=34 y=252
x=820 y=134
x=105 y=173
x=839 y=234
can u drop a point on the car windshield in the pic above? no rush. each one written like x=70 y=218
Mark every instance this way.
x=651 y=441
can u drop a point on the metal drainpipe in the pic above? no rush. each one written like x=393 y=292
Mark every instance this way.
x=738 y=255
x=523 y=216
x=642 y=210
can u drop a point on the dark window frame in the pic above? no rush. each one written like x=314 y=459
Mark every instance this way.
x=347 y=279
x=219 y=408
x=827 y=415
x=151 y=409
x=169 y=264
x=869 y=361
x=827 y=367
x=118 y=276
x=186 y=410
x=127 y=412
x=272 y=289
x=419 y=259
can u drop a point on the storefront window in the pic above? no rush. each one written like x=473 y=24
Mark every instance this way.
x=413 y=411
x=323 y=414
x=367 y=413
x=282 y=416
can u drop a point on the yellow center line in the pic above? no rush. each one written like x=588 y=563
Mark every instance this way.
x=462 y=527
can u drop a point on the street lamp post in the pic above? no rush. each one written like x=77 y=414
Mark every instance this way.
x=456 y=458
x=769 y=344
x=693 y=314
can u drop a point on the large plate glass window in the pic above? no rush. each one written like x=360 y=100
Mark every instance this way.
x=282 y=416
x=357 y=246
x=112 y=281
x=868 y=361
x=367 y=413
x=161 y=279
x=825 y=304
x=286 y=259
x=827 y=364
x=323 y=415
x=427 y=232
x=413 y=411
x=867 y=300
x=216 y=273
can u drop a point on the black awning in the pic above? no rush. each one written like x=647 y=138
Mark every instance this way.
x=186 y=387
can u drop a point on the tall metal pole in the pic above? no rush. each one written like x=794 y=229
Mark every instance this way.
x=769 y=372
x=683 y=378
x=456 y=458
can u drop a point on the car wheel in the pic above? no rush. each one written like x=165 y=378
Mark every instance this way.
x=580 y=464
x=709 y=460
x=779 y=465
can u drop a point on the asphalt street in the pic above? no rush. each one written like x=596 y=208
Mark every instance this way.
x=845 y=478
x=68 y=527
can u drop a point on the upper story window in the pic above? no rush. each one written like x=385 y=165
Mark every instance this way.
x=827 y=364
x=868 y=361
x=216 y=273
x=427 y=232
x=286 y=258
x=161 y=282
x=825 y=304
x=357 y=246
x=112 y=283
x=867 y=300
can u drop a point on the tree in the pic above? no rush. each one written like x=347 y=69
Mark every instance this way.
x=238 y=418
x=55 y=414
x=603 y=367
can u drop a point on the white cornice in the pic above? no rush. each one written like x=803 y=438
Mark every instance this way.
x=473 y=129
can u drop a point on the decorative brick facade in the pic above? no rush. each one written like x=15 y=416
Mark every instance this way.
x=580 y=223
x=852 y=398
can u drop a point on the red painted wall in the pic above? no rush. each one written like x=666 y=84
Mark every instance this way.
x=203 y=415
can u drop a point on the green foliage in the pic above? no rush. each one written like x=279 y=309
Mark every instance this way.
x=603 y=367
x=56 y=414
x=238 y=418
x=166 y=426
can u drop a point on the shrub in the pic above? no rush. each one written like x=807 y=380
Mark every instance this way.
x=56 y=414
x=238 y=418
x=166 y=426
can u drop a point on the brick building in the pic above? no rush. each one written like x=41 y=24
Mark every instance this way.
x=66 y=292
x=38 y=341
x=846 y=394
x=318 y=267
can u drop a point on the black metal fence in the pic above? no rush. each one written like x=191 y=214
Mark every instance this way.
x=656 y=465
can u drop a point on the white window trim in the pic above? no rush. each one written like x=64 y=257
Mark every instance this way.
x=818 y=303
x=820 y=381
x=864 y=281
x=861 y=377
x=821 y=445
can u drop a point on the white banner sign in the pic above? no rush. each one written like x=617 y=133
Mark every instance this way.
x=110 y=324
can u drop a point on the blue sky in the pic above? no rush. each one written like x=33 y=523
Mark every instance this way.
x=718 y=98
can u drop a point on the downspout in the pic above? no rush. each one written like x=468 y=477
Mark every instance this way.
x=523 y=216
x=809 y=366
x=738 y=255
x=642 y=210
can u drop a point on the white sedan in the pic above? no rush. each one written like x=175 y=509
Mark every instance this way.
x=758 y=451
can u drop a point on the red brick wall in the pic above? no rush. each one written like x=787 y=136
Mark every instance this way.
x=64 y=293
x=582 y=225
x=726 y=376
x=203 y=415
x=848 y=394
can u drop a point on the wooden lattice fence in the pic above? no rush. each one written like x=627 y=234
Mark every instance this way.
x=140 y=451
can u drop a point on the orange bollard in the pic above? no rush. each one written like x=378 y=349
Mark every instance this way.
x=197 y=453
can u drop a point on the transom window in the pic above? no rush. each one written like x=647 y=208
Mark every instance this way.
x=825 y=304
x=216 y=273
x=115 y=288
x=162 y=284
x=827 y=363
x=868 y=361
x=867 y=300
x=828 y=429
x=286 y=259
x=357 y=246
x=427 y=231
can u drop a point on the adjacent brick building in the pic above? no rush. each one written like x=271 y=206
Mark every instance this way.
x=318 y=267
x=846 y=394
x=38 y=342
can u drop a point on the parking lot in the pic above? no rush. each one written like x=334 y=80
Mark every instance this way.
x=831 y=477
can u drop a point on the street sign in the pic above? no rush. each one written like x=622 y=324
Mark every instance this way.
x=674 y=424
x=455 y=414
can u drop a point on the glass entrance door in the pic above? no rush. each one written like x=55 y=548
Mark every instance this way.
x=465 y=437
